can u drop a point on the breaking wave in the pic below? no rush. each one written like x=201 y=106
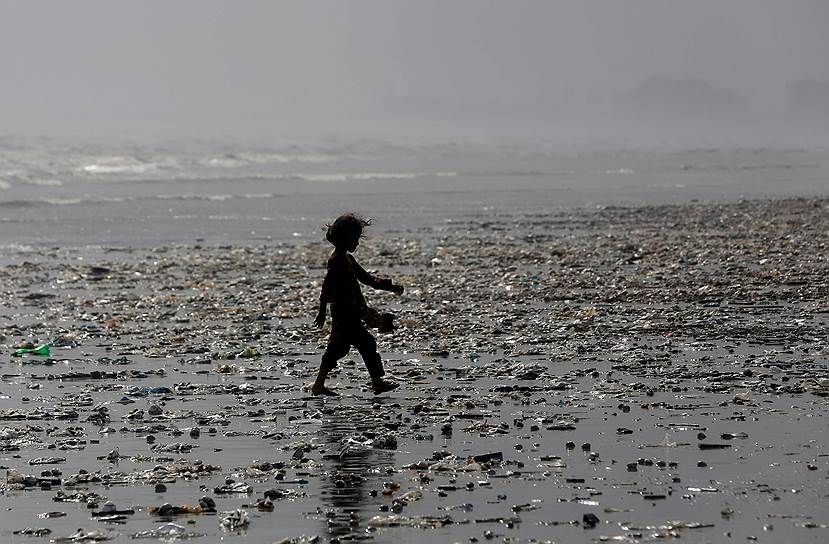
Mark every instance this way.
x=90 y=199
x=22 y=177
x=364 y=176
x=238 y=160
x=121 y=165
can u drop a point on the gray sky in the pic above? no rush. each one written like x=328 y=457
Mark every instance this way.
x=212 y=65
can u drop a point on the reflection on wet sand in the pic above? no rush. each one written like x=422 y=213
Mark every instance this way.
x=354 y=461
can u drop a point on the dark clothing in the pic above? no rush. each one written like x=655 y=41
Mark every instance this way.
x=343 y=336
x=341 y=289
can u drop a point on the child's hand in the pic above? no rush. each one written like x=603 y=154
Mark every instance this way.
x=319 y=321
x=397 y=289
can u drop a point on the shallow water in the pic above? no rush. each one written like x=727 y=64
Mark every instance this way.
x=142 y=196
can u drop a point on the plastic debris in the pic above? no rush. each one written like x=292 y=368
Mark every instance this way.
x=41 y=351
x=237 y=519
x=87 y=535
x=168 y=531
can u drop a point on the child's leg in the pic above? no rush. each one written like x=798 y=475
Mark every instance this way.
x=335 y=350
x=367 y=346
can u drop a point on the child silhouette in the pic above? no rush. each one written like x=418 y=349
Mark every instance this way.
x=341 y=289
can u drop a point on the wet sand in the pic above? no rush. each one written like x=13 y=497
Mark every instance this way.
x=639 y=373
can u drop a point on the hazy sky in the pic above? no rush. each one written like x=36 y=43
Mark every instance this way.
x=214 y=64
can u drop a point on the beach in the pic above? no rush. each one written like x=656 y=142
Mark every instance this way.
x=625 y=366
x=604 y=227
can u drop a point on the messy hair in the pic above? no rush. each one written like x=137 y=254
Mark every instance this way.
x=344 y=226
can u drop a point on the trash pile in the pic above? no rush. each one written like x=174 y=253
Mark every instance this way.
x=604 y=374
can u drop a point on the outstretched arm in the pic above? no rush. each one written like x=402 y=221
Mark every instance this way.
x=383 y=284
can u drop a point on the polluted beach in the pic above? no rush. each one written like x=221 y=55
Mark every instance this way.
x=592 y=376
x=549 y=272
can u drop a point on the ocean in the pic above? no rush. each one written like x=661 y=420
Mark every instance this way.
x=130 y=194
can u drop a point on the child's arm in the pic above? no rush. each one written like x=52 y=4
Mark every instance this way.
x=383 y=284
x=319 y=321
x=325 y=297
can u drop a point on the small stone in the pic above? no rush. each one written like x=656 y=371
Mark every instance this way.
x=589 y=520
x=207 y=504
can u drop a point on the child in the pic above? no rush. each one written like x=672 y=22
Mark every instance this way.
x=348 y=307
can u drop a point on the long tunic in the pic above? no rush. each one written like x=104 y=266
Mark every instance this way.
x=341 y=288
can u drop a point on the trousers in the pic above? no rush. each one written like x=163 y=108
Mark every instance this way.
x=345 y=335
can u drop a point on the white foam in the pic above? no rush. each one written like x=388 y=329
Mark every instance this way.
x=83 y=200
x=264 y=158
x=225 y=162
x=252 y=158
x=63 y=201
x=365 y=176
x=48 y=182
x=257 y=196
x=118 y=168
x=21 y=176
x=191 y=196
x=120 y=165
x=18 y=248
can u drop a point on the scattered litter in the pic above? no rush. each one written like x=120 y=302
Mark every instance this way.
x=237 y=519
x=41 y=351
x=628 y=360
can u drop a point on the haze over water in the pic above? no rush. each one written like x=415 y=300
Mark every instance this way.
x=143 y=195
x=156 y=122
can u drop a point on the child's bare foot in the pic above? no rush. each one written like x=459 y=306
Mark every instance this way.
x=382 y=386
x=322 y=390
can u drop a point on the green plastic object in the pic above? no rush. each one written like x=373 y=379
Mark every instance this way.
x=43 y=351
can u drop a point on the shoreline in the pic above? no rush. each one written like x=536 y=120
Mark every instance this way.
x=252 y=232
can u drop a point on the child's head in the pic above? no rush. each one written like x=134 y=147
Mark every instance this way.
x=345 y=232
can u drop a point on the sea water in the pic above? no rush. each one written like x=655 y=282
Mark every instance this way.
x=142 y=194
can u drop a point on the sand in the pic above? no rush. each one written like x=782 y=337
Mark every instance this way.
x=637 y=373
